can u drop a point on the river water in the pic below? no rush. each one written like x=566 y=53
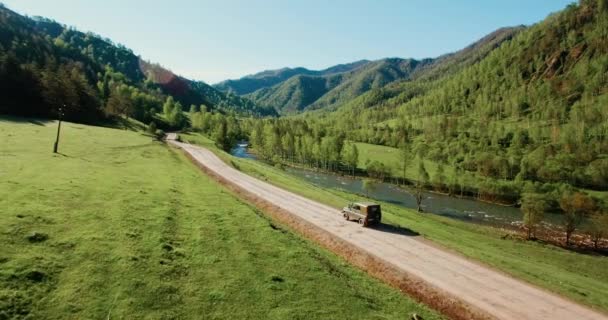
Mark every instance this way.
x=463 y=209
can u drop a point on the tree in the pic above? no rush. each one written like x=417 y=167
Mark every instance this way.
x=221 y=136
x=256 y=137
x=533 y=207
x=404 y=153
x=423 y=178
x=119 y=102
x=575 y=206
x=378 y=170
x=602 y=6
x=288 y=145
x=176 y=116
x=369 y=185
x=453 y=181
x=152 y=128
x=168 y=106
x=439 y=178
x=599 y=227
x=351 y=157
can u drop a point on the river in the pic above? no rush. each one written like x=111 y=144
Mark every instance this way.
x=463 y=209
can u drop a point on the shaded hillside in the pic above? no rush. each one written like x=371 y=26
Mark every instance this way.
x=45 y=65
x=198 y=92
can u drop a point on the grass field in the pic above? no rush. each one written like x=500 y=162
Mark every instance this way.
x=581 y=277
x=390 y=157
x=120 y=226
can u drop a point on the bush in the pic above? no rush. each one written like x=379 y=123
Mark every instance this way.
x=160 y=134
x=152 y=128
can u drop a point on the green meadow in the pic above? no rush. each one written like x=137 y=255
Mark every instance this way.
x=118 y=225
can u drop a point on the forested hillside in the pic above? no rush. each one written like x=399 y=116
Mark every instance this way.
x=45 y=65
x=527 y=117
x=296 y=93
x=294 y=90
x=269 y=78
x=306 y=92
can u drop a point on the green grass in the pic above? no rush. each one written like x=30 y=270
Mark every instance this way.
x=390 y=157
x=581 y=277
x=135 y=231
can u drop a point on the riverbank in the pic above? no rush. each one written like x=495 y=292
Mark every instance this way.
x=468 y=209
x=465 y=192
x=461 y=208
x=510 y=219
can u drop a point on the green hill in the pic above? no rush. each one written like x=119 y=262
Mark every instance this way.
x=45 y=65
x=310 y=91
x=296 y=93
x=269 y=78
x=523 y=112
x=299 y=89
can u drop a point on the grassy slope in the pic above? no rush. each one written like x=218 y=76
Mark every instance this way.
x=583 y=278
x=136 y=231
x=390 y=157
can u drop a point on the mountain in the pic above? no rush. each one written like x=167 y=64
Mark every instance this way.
x=45 y=65
x=419 y=81
x=198 y=92
x=475 y=52
x=374 y=75
x=299 y=89
x=522 y=111
x=269 y=78
x=317 y=89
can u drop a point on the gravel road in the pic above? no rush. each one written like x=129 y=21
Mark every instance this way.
x=488 y=290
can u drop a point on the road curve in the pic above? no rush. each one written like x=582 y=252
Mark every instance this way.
x=494 y=293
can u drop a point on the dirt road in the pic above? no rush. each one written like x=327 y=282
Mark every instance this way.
x=489 y=291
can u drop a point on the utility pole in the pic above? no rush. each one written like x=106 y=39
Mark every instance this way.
x=58 y=129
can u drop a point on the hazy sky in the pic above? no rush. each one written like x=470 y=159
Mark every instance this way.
x=222 y=39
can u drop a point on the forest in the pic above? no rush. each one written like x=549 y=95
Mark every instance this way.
x=529 y=116
x=45 y=66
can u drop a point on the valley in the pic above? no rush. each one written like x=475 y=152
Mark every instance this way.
x=134 y=190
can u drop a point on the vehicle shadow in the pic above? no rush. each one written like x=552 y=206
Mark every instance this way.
x=389 y=228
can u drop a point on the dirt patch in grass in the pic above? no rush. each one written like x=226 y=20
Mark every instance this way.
x=423 y=292
x=37 y=237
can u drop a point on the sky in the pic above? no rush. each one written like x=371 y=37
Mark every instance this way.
x=218 y=40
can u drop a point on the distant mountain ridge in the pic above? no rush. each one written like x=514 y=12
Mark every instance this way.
x=269 y=78
x=291 y=90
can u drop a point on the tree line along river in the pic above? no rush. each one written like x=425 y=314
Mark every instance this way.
x=464 y=209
